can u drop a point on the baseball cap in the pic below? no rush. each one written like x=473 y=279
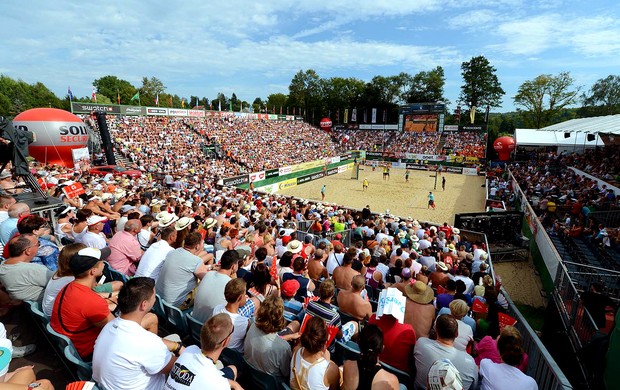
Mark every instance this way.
x=87 y=258
x=289 y=288
x=95 y=219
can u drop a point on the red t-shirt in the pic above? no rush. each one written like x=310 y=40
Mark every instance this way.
x=80 y=309
x=398 y=341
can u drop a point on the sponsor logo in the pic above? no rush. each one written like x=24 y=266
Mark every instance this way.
x=81 y=107
x=199 y=113
x=332 y=171
x=326 y=123
x=133 y=110
x=285 y=170
x=154 y=111
x=287 y=184
x=177 y=112
x=416 y=166
x=272 y=173
x=256 y=176
x=454 y=169
x=182 y=374
x=235 y=181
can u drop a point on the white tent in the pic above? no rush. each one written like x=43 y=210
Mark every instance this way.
x=576 y=141
x=609 y=124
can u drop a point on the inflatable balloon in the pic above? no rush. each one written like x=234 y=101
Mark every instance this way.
x=504 y=146
x=326 y=124
x=57 y=133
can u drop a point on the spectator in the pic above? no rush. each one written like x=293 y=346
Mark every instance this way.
x=94 y=238
x=311 y=367
x=181 y=271
x=366 y=373
x=263 y=347
x=419 y=309
x=8 y=227
x=215 y=335
x=300 y=273
x=427 y=351
x=351 y=301
x=210 y=291
x=128 y=356
x=22 y=280
x=152 y=260
x=125 y=248
x=235 y=296
x=79 y=313
x=292 y=307
x=47 y=254
x=344 y=273
x=506 y=374
x=316 y=269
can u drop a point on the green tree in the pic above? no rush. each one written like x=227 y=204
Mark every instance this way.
x=604 y=96
x=112 y=87
x=274 y=102
x=257 y=104
x=220 y=99
x=545 y=97
x=481 y=86
x=304 y=90
x=150 y=89
x=427 y=86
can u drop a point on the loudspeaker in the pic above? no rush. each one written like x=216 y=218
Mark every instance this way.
x=105 y=138
x=566 y=135
x=591 y=137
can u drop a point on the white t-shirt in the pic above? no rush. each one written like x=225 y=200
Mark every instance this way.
x=128 y=357
x=153 y=259
x=334 y=260
x=502 y=376
x=240 y=323
x=466 y=334
x=51 y=292
x=193 y=370
x=94 y=240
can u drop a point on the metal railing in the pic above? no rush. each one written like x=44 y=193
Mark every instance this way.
x=584 y=275
x=542 y=367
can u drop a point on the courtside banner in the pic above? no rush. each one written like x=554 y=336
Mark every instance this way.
x=196 y=113
x=332 y=171
x=256 y=176
x=156 y=111
x=132 y=110
x=87 y=108
x=454 y=169
x=307 y=178
x=287 y=184
x=237 y=180
x=271 y=173
x=416 y=166
x=177 y=112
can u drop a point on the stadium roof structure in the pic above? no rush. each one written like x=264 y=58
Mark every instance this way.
x=533 y=137
x=609 y=124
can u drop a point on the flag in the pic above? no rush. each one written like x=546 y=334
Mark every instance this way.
x=338 y=116
x=374 y=116
x=346 y=115
x=365 y=115
x=118 y=97
x=486 y=114
x=182 y=102
x=280 y=110
x=219 y=106
x=293 y=110
x=286 y=110
x=157 y=100
x=93 y=96
x=472 y=114
x=384 y=115
x=457 y=114
x=230 y=105
x=135 y=97
x=70 y=94
x=354 y=115
x=169 y=101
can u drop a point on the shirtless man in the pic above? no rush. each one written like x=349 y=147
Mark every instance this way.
x=351 y=301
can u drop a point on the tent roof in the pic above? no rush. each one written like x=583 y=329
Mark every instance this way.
x=609 y=124
x=533 y=137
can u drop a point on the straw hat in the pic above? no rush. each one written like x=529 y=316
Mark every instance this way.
x=419 y=292
x=183 y=223
x=294 y=246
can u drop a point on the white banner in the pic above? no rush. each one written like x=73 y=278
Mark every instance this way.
x=257 y=176
x=177 y=112
x=470 y=171
x=374 y=116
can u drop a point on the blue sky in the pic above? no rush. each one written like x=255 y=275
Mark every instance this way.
x=254 y=48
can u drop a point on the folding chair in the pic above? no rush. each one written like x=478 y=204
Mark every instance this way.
x=262 y=380
x=84 y=369
x=195 y=327
x=175 y=317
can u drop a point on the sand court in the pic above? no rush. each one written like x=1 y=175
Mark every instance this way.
x=463 y=193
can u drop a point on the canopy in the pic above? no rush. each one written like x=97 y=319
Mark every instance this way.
x=609 y=124
x=533 y=137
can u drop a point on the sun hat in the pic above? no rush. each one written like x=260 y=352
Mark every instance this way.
x=294 y=246
x=167 y=219
x=456 y=231
x=5 y=174
x=184 y=222
x=95 y=219
x=442 y=266
x=209 y=223
x=419 y=292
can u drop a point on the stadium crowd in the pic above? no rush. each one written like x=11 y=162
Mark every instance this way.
x=286 y=299
x=467 y=143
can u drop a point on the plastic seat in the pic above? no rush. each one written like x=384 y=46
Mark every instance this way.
x=84 y=369
x=262 y=380
x=195 y=327
x=60 y=341
x=158 y=307
x=41 y=319
x=112 y=275
x=175 y=317
x=346 y=351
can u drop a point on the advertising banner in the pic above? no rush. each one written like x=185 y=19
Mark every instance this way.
x=454 y=169
x=156 y=111
x=450 y=128
x=87 y=108
x=177 y=112
x=273 y=117
x=284 y=171
x=478 y=128
x=471 y=160
x=470 y=171
x=307 y=178
x=237 y=180
x=256 y=176
x=287 y=184
x=344 y=168
x=418 y=167
x=196 y=113
x=132 y=110
x=271 y=173
x=332 y=171
x=301 y=167
x=74 y=190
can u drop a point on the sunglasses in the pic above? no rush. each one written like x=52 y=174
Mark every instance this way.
x=231 y=332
